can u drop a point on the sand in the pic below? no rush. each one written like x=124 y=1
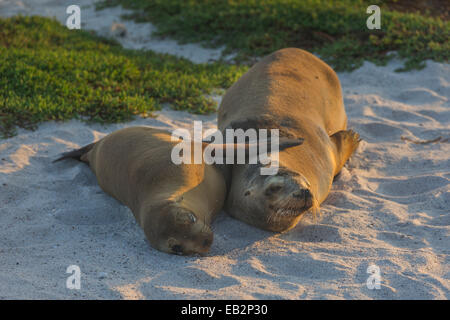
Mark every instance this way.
x=389 y=207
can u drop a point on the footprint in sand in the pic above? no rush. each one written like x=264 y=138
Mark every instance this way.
x=174 y=282
x=411 y=286
x=106 y=213
x=399 y=115
x=419 y=96
x=377 y=131
x=411 y=186
x=401 y=240
x=440 y=116
x=314 y=233
x=303 y=266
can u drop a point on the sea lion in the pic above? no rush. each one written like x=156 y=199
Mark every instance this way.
x=175 y=204
x=299 y=94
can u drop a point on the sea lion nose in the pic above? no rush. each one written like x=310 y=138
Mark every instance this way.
x=177 y=249
x=207 y=243
x=207 y=239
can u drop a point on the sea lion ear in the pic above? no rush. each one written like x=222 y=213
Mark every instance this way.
x=286 y=143
x=185 y=217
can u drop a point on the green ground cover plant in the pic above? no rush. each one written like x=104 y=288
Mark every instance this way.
x=48 y=72
x=336 y=30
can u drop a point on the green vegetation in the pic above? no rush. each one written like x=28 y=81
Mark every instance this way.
x=48 y=72
x=336 y=30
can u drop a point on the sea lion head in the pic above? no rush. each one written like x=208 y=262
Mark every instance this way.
x=179 y=231
x=275 y=202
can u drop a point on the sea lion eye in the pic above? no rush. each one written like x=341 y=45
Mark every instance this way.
x=186 y=218
x=192 y=217
x=273 y=189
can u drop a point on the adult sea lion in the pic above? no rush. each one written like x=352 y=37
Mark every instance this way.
x=174 y=204
x=299 y=94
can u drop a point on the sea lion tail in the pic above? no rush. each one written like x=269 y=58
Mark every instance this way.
x=75 y=154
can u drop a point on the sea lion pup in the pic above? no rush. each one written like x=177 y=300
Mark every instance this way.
x=174 y=204
x=299 y=94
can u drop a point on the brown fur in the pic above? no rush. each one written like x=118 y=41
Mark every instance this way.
x=296 y=92
x=174 y=204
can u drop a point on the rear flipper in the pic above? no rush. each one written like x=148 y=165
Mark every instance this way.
x=76 y=154
x=345 y=142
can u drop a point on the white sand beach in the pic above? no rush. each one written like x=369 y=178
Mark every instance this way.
x=389 y=207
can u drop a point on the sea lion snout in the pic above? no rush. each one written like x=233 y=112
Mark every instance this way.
x=190 y=244
x=177 y=249
x=185 y=233
x=288 y=197
x=276 y=202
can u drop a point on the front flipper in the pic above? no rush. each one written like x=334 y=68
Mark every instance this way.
x=345 y=143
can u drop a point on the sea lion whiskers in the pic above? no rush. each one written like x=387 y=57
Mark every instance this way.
x=288 y=212
x=205 y=227
x=315 y=209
